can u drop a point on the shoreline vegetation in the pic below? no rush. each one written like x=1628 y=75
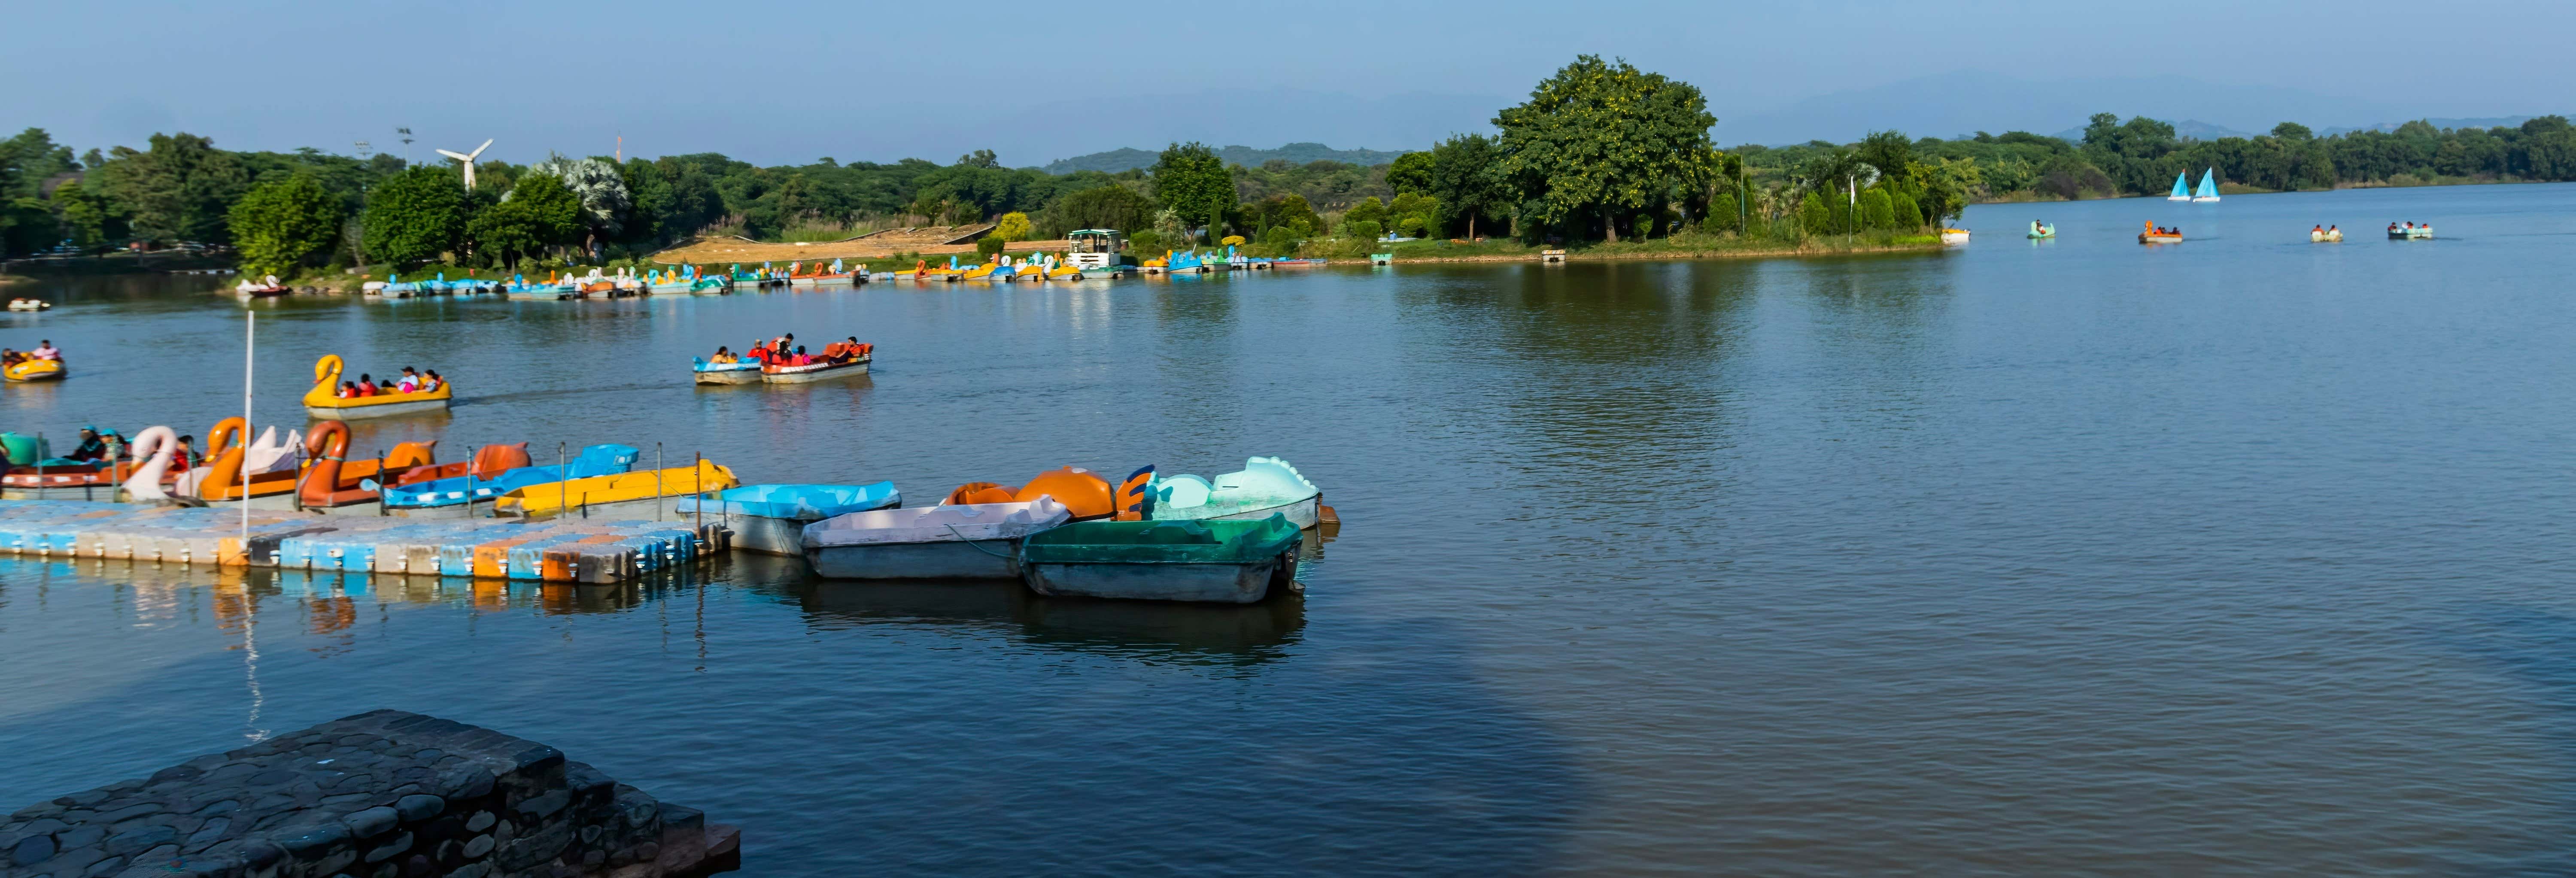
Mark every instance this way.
x=1602 y=159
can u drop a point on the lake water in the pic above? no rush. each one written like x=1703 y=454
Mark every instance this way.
x=2244 y=555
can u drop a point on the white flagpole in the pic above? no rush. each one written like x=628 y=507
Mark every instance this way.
x=250 y=342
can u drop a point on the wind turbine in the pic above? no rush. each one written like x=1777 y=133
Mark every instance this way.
x=468 y=159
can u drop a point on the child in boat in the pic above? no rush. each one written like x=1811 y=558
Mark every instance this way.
x=801 y=359
x=724 y=355
x=179 y=459
x=366 y=384
x=348 y=390
x=431 y=382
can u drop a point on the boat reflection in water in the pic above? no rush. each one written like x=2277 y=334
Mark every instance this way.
x=1154 y=631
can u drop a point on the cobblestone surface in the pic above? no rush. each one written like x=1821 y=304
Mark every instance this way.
x=378 y=795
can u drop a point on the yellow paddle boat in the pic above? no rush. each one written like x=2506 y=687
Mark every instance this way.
x=36 y=370
x=621 y=496
x=323 y=401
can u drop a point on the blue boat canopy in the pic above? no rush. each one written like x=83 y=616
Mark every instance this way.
x=800 y=502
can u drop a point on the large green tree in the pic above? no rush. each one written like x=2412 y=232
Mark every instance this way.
x=1411 y=172
x=1466 y=178
x=1600 y=140
x=179 y=190
x=416 y=215
x=280 y=223
x=1191 y=180
x=1100 y=207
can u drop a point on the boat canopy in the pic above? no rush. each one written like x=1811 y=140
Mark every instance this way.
x=937 y=524
x=803 y=502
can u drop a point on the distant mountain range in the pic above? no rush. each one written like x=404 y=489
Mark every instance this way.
x=1127 y=158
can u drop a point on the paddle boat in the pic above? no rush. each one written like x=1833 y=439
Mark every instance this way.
x=2410 y=231
x=1266 y=486
x=820 y=276
x=985 y=270
x=1084 y=494
x=34 y=473
x=1233 y=562
x=25 y=304
x=963 y=541
x=625 y=496
x=819 y=370
x=323 y=401
x=1954 y=237
x=2152 y=234
x=269 y=464
x=2039 y=230
x=32 y=369
x=332 y=484
x=455 y=496
x=771 y=519
x=2325 y=236
x=922 y=270
x=741 y=371
x=268 y=286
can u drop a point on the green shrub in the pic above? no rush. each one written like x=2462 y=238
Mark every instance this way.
x=1362 y=230
x=1813 y=218
x=989 y=245
x=1722 y=215
x=1908 y=214
x=1875 y=212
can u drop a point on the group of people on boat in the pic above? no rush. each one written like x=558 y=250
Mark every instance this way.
x=2325 y=230
x=2156 y=230
x=107 y=446
x=44 y=351
x=784 y=351
x=411 y=382
x=2393 y=227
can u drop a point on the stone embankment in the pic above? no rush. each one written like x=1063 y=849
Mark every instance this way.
x=378 y=795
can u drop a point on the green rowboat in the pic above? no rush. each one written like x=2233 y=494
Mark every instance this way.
x=1234 y=562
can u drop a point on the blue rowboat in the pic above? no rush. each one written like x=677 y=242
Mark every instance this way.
x=744 y=371
x=771 y=518
x=455 y=498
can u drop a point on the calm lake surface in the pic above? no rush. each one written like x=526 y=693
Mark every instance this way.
x=2244 y=555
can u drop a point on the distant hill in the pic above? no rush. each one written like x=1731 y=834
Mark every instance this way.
x=2490 y=122
x=1117 y=160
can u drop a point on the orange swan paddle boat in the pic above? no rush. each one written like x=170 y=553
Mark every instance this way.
x=324 y=401
x=1084 y=494
x=334 y=484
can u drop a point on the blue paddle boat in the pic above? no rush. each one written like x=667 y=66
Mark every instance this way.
x=455 y=497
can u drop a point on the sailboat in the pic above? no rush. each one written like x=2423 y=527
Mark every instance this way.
x=2182 y=187
x=2208 y=190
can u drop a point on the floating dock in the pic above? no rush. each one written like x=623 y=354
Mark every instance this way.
x=574 y=550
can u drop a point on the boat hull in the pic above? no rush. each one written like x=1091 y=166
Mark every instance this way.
x=480 y=508
x=354 y=412
x=730 y=376
x=98 y=492
x=804 y=374
x=945 y=559
x=766 y=535
x=2159 y=239
x=1229 y=583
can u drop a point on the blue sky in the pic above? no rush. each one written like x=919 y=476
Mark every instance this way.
x=788 y=81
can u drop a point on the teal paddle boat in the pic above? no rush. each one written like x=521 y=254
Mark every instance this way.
x=2040 y=230
x=1232 y=562
x=1265 y=486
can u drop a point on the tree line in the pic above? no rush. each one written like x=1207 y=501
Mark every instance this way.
x=2141 y=156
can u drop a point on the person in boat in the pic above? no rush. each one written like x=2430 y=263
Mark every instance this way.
x=799 y=358
x=431 y=382
x=724 y=355
x=348 y=390
x=10 y=357
x=409 y=382
x=2333 y=230
x=92 y=446
x=2316 y=230
x=180 y=459
x=45 y=350
x=366 y=384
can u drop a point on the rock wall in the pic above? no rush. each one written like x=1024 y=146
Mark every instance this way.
x=378 y=795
